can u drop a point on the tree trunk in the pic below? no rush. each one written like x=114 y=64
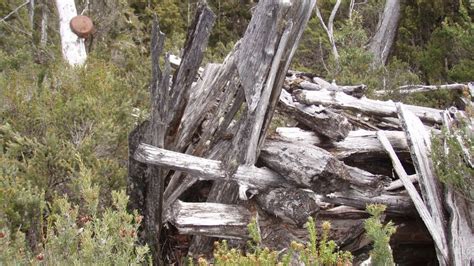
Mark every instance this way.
x=382 y=42
x=73 y=48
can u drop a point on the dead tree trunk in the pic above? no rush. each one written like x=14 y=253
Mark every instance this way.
x=73 y=48
x=146 y=183
x=382 y=42
x=330 y=28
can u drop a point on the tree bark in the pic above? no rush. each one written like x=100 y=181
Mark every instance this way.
x=382 y=42
x=320 y=119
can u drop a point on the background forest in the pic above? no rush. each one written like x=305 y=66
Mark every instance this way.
x=63 y=131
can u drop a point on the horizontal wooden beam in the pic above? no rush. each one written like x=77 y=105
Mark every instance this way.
x=343 y=101
x=210 y=219
x=246 y=175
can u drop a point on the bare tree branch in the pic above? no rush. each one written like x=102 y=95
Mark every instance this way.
x=330 y=28
x=14 y=11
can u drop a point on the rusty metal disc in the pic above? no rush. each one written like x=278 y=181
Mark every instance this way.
x=82 y=26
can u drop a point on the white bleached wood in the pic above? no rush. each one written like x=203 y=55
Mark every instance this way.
x=247 y=175
x=73 y=48
x=408 y=89
x=357 y=143
x=210 y=219
x=399 y=184
x=435 y=230
x=341 y=100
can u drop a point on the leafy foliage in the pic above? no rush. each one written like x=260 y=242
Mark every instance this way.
x=380 y=234
x=322 y=252
x=450 y=160
x=73 y=238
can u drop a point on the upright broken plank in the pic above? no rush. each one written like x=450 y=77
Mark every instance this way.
x=262 y=61
x=461 y=235
x=341 y=100
x=435 y=230
x=196 y=43
x=420 y=147
x=156 y=132
x=162 y=121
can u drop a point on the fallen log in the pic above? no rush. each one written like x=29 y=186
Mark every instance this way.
x=292 y=205
x=362 y=144
x=397 y=203
x=321 y=120
x=320 y=84
x=343 y=101
x=315 y=168
x=308 y=166
x=408 y=89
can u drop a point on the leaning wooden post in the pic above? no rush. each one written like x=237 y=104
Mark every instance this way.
x=261 y=58
x=73 y=48
x=146 y=183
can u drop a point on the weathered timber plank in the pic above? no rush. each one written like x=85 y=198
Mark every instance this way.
x=420 y=147
x=247 y=175
x=358 y=143
x=341 y=100
x=211 y=219
x=200 y=104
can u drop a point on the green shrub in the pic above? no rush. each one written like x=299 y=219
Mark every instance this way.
x=75 y=235
x=381 y=254
x=449 y=158
x=322 y=252
x=71 y=234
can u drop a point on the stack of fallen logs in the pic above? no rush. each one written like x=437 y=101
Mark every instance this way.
x=347 y=151
x=337 y=161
